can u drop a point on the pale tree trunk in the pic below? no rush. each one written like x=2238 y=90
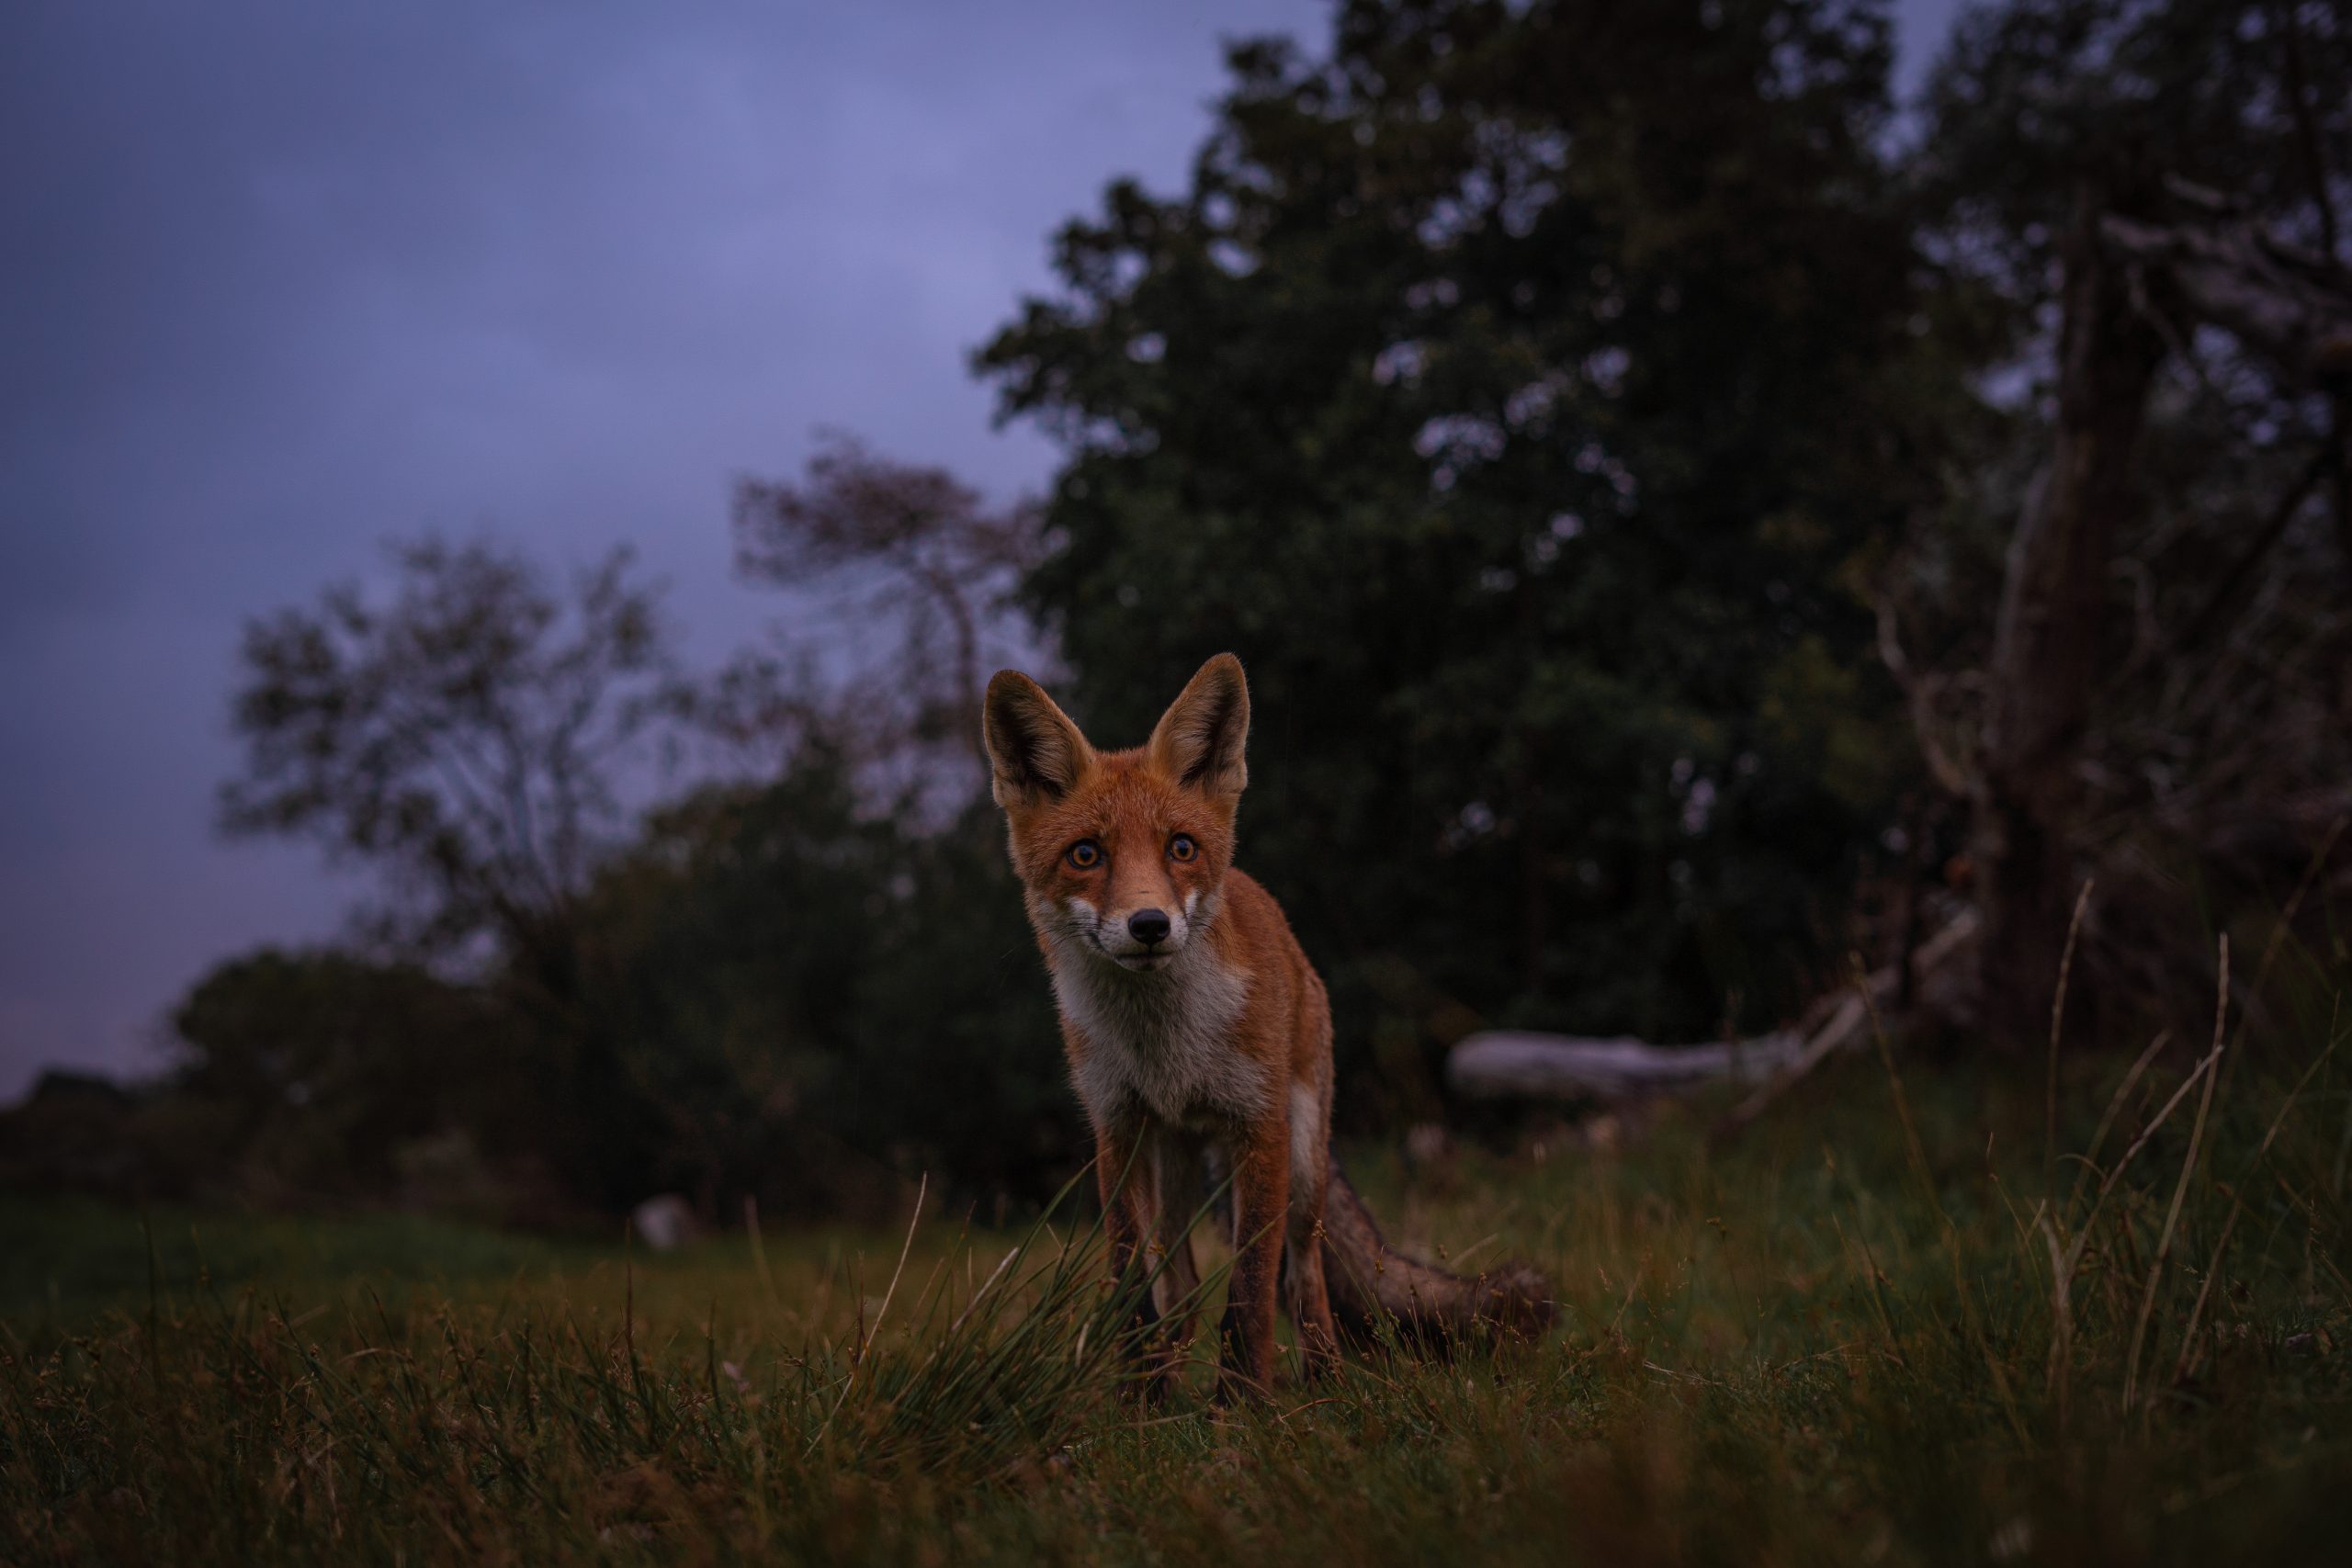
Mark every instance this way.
x=2209 y=264
x=2047 y=637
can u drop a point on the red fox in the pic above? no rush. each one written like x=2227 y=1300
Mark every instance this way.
x=1198 y=1035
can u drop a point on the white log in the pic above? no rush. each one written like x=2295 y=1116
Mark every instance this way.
x=1498 y=1065
x=1511 y=1064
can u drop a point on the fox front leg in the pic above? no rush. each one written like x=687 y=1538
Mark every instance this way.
x=1261 y=1209
x=1123 y=1177
x=1123 y=1180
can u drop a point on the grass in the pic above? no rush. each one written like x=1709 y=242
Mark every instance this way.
x=1885 y=1326
x=76 y=1259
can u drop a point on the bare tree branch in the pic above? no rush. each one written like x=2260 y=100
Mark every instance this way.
x=2291 y=306
x=903 y=546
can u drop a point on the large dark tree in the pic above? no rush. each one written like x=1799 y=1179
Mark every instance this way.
x=1518 y=388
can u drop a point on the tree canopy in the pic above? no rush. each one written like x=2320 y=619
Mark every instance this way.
x=1520 y=392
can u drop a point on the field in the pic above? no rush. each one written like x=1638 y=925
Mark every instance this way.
x=1885 y=1325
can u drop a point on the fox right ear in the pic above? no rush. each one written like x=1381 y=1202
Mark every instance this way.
x=1035 y=753
x=1200 y=739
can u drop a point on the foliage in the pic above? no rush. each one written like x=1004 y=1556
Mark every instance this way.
x=818 y=1001
x=2034 y=102
x=327 y=1066
x=917 y=549
x=2209 y=749
x=1517 y=389
x=469 y=737
x=778 y=991
x=2032 y=107
x=474 y=740
x=1832 y=1343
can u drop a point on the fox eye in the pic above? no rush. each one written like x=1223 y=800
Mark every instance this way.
x=1086 y=854
x=1181 y=847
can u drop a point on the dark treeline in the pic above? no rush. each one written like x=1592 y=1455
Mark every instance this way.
x=1684 y=523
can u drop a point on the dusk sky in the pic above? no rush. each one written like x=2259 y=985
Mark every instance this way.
x=283 y=280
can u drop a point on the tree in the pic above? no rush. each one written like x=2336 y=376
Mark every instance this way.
x=472 y=740
x=910 y=551
x=2067 y=145
x=326 y=1063
x=819 y=1000
x=734 y=935
x=469 y=739
x=1518 y=391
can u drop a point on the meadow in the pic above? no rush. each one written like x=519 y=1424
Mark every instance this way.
x=1939 y=1314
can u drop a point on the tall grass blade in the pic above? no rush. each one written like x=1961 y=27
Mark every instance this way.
x=2180 y=1187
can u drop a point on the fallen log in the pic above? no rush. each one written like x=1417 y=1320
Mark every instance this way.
x=1513 y=1065
x=1504 y=1064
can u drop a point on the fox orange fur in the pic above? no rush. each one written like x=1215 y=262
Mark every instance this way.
x=1198 y=1035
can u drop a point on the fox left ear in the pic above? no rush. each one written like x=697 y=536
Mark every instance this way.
x=1035 y=753
x=1199 y=741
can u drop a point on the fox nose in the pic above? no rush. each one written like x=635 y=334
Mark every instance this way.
x=1147 y=925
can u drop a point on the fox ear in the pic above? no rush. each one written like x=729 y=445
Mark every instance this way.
x=1035 y=753
x=1199 y=739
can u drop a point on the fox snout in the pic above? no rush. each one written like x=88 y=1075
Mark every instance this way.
x=1143 y=938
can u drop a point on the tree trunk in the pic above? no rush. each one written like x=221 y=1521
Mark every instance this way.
x=2047 y=637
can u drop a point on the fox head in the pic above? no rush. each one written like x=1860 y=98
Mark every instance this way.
x=1121 y=854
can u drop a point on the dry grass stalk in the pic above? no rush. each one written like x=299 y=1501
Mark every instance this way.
x=2180 y=1187
x=2066 y=1255
x=2187 y=1362
x=1950 y=1234
x=2057 y=1018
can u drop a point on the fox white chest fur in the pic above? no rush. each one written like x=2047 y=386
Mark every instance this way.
x=1161 y=1043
